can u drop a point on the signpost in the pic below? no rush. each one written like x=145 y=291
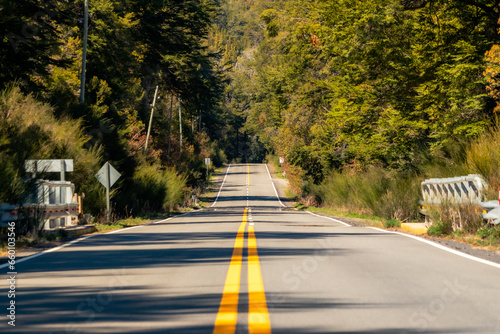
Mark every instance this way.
x=107 y=175
x=207 y=162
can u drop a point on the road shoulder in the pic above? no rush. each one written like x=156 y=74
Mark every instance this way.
x=281 y=185
x=480 y=252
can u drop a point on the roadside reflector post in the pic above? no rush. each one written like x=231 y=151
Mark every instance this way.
x=207 y=162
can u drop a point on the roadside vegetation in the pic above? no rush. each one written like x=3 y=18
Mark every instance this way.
x=133 y=47
x=356 y=217
x=128 y=222
x=486 y=237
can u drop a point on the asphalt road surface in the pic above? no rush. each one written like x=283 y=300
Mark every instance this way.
x=249 y=265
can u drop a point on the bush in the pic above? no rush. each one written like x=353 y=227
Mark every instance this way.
x=336 y=190
x=446 y=218
x=374 y=192
x=392 y=223
x=484 y=233
x=471 y=219
x=438 y=229
x=492 y=233
x=156 y=189
x=400 y=201
x=484 y=153
x=458 y=217
x=483 y=157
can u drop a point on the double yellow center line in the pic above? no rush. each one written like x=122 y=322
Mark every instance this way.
x=258 y=315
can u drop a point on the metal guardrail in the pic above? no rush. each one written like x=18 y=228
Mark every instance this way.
x=55 y=200
x=456 y=190
x=491 y=211
x=468 y=189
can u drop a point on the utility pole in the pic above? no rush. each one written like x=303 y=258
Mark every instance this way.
x=170 y=127
x=180 y=123
x=84 y=53
x=151 y=120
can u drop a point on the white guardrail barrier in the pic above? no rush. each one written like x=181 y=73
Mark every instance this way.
x=56 y=200
x=468 y=189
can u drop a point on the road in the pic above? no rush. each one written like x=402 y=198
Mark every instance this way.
x=249 y=265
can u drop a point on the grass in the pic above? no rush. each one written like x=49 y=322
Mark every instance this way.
x=274 y=161
x=134 y=221
x=376 y=192
x=129 y=222
x=290 y=194
x=437 y=230
x=487 y=236
x=363 y=219
x=391 y=223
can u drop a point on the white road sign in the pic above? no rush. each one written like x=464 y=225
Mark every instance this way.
x=113 y=174
x=50 y=166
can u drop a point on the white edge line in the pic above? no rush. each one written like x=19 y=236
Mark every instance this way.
x=335 y=220
x=220 y=189
x=162 y=221
x=81 y=239
x=272 y=182
x=124 y=229
x=447 y=249
x=147 y=224
x=48 y=250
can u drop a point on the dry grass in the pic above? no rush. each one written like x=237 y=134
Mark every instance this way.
x=483 y=157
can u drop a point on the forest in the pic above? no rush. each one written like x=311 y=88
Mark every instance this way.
x=363 y=99
x=366 y=99
x=132 y=48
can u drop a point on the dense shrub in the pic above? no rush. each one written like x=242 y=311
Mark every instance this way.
x=374 y=192
x=29 y=130
x=392 y=223
x=156 y=189
x=483 y=157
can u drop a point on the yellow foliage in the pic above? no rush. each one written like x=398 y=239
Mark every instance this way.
x=128 y=20
x=492 y=74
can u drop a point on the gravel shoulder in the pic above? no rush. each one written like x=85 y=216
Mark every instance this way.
x=281 y=186
x=480 y=252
